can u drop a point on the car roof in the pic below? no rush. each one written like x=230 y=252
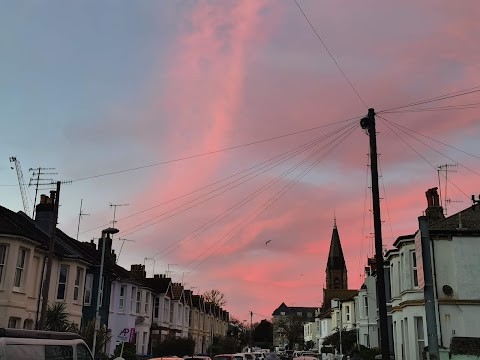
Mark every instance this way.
x=37 y=334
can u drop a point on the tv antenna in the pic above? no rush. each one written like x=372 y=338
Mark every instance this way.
x=21 y=184
x=38 y=179
x=121 y=247
x=446 y=169
x=80 y=215
x=115 y=211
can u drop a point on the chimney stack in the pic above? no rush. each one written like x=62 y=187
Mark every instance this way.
x=44 y=214
x=138 y=269
x=434 y=211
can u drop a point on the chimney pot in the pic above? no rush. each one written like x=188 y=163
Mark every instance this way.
x=156 y=276
x=43 y=199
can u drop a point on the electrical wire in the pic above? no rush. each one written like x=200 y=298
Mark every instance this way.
x=217 y=182
x=436 y=98
x=329 y=53
x=239 y=204
x=439 y=152
x=272 y=200
x=433 y=166
x=430 y=138
x=444 y=108
x=129 y=230
x=210 y=152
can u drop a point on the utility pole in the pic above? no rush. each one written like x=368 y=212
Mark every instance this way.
x=51 y=250
x=428 y=292
x=368 y=124
x=251 y=329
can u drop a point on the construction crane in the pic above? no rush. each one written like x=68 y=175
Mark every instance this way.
x=21 y=183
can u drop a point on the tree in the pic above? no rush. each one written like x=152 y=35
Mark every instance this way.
x=263 y=332
x=87 y=332
x=349 y=339
x=173 y=346
x=291 y=328
x=216 y=297
x=56 y=318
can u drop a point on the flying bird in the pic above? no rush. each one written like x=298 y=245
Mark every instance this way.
x=267 y=242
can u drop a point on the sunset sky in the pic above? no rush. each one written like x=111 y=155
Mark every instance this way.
x=92 y=88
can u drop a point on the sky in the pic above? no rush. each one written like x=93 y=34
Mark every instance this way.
x=95 y=88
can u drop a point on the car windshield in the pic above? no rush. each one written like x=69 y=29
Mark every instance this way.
x=222 y=358
x=238 y=357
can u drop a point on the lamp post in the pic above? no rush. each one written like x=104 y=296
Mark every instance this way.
x=105 y=236
x=340 y=328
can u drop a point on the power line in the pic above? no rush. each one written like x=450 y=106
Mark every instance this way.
x=439 y=152
x=430 y=138
x=128 y=231
x=219 y=181
x=387 y=125
x=436 y=98
x=275 y=197
x=239 y=204
x=329 y=53
x=440 y=108
x=211 y=152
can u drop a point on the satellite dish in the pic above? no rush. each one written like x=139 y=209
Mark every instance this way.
x=447 y=290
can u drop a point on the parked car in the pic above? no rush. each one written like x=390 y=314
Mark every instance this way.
x=18 y=344
x=225 y=357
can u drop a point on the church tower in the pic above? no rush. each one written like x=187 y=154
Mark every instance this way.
x=336 y=269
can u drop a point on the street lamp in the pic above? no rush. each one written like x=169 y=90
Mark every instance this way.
x=338 y=303
x=105 y=236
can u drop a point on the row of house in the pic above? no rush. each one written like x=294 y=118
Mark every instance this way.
x=133 y=307
x=455 y=254
x=455 y=249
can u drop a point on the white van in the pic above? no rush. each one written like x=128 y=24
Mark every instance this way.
x=16 y=344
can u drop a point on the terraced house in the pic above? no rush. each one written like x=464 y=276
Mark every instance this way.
x=23 y=253
x=133 y=308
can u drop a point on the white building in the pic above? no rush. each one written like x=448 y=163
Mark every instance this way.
x=310 y=333
x=366 y=309
x=23 y=252
x=131 y=307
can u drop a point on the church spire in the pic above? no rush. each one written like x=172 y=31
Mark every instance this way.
x=336 y=268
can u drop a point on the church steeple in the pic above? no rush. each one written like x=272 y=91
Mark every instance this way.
x=336 y=269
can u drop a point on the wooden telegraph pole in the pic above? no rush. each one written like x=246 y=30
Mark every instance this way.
x=368 y=123
x=51 y=250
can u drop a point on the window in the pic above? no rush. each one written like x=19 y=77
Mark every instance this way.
x=282 y=313
x=3 y=256
x=166 y=309
x=139 y=302
x=336 y=283
x=347 y=312
x=87 y=297
x=83 y=353
x=420 y=335
x=121 y=300
x=309 y=314
x=62 y=282
x=22 y=256
x=187 y=313
x=414 y=269
x=171 y=319
x=147 y=301
x=144 y=342
x=12 y=322
x=156 y=307
x=299 y=313
x=132 y=298
x=365 y=306
x=102 y=285
x=58 y=352
x=78 y=281
x=179 y=314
